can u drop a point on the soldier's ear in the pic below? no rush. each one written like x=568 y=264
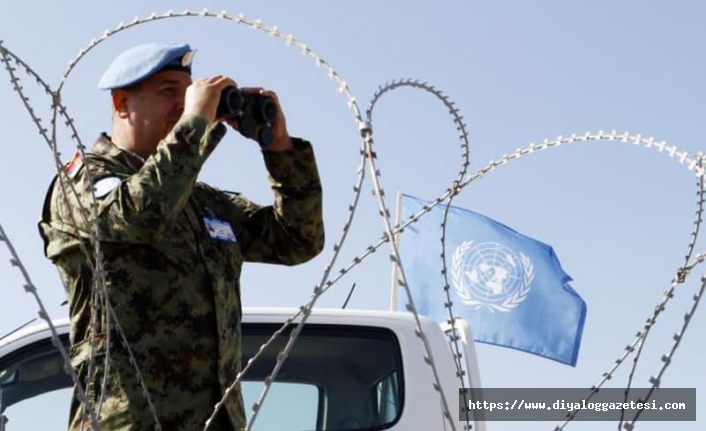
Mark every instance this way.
x=120 y=105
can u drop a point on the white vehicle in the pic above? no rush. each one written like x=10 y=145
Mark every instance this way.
x=348 y=370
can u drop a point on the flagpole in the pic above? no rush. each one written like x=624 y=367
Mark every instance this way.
x=396 y=240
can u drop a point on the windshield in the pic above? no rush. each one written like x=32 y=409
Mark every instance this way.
x=335 y=378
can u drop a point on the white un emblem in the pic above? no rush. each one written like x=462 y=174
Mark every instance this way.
x=491 y=275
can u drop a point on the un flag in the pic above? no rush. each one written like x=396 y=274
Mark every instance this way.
x=510 y=288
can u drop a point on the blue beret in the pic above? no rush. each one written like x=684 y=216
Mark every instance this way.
x=142 y=61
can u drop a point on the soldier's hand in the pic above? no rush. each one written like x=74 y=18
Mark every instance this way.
x=202 y=96
x=280 y=136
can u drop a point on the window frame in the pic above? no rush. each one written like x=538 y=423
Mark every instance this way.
x=44 y=346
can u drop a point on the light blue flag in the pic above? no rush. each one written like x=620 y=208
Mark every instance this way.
x=510 y=288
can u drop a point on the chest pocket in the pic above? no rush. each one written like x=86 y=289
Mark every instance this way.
x=199 y=237
x=179 y=242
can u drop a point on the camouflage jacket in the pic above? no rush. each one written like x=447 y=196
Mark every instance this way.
x=172 y=253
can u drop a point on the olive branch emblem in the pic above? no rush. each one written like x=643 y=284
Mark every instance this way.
x=464 y=294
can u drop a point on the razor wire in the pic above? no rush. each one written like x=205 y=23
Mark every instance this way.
x=367 y=153
x=289 y=40
x=366 y=132
x=662 y=147
x=402 y=281
x=691 y=163
x=101 y=296
x=343 y=88
x=641 y=336
x=32 y=290
x=256 y=25
x=667 y=357
x=463 y=136
x=637 y=140
x=650 y=143
x=687 y=258
x=15 y=80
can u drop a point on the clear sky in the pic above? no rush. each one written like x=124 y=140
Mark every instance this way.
x=619 y=217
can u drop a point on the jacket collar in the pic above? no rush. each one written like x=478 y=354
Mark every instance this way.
x=105 y=147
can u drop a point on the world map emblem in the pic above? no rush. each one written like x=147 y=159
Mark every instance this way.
x=491 y=276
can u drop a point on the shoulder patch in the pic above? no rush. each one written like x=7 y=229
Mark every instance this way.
x=105 y=185
x=74 y=165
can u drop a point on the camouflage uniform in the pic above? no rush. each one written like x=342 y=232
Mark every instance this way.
x=175 y=289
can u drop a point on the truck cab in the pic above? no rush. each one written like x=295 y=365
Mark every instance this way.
x=348 y=370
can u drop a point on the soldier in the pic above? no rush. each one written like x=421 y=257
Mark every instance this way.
x=172 y=247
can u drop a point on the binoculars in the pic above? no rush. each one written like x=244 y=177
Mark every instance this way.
x=250 y=110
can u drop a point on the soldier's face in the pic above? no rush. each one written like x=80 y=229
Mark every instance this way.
x=155 y=105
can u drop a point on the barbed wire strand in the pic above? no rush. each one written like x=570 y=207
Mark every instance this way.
x=240 y=19
x=690 y=250
x=637 y=140
x=667 y=357
x=44 y=315
x=99 y=281
x=51 y=142
x=660 y=146
x=92 y=227
x=463 y=136
x=641 y=335
x=681 y=276
x=701 y=186
x=272 y=31
x=692 y=164
x=402 y=280
x=290 y=40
